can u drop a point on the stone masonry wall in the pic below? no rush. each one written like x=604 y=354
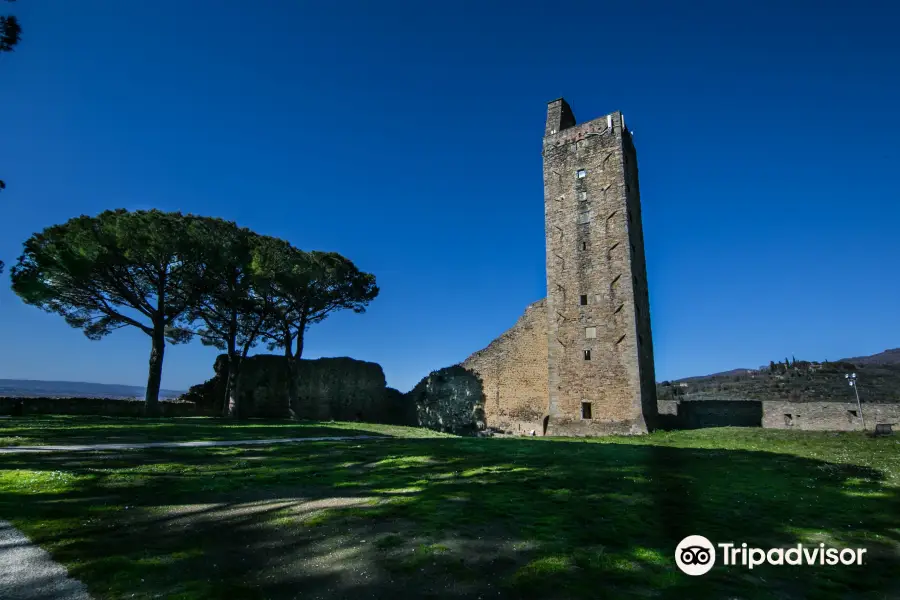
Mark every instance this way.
x=513 y=371
x=597 y=305
x=827 y=416
x=342 y=389
x=673 y=414
x=641 y=288
x=449 y=400
x=326 y=388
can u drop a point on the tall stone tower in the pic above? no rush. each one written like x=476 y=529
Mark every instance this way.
x=601 y=375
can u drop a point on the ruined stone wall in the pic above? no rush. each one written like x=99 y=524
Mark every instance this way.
x=324 y=389
x=599 y=343
x=827 y=416
x=342 y=389
x=264 y=382
x=673 y=414
x=450 y=400
x=775 y=414
x=513 y=371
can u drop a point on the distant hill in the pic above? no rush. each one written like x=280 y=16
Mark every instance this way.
x=33 y=388
x=800 y=381
x=888 y=357
x=722 y=374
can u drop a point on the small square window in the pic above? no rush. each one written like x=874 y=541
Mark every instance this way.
x=587 y=355
x=584 y=299
x=584 y=245
x=581 y=173
x=590 y=333
x=586 y=410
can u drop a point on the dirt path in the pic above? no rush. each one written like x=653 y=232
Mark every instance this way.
x=96 y=447
x=29 y=573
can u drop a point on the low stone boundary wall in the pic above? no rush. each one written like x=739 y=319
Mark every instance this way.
x=827 y=416
x=709 y=413
x=107 y=407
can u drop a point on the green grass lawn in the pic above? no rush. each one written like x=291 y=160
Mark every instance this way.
x=51 y=430
x=462 y=517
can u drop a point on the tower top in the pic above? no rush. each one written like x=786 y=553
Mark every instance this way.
x=559 y=116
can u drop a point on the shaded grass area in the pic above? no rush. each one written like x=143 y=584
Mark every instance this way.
x=460 y=517
x=51 y=430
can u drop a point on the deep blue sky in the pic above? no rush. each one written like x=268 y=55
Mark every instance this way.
x=408 y=137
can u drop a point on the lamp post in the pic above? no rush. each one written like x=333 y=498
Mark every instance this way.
x=851 y=378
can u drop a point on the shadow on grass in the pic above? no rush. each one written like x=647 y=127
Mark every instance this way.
x=62 y=430
x=448 y=518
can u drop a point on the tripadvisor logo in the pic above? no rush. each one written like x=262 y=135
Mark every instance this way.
x=696 y=555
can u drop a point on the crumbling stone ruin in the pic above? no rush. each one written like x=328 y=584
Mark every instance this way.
x=450 y=400
x=513 y=372
x=340 y=389
x=580 y=362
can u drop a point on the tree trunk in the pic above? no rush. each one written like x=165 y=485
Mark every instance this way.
x=232 y=407
x=292 y=387
x=288 y=342
x=294 y=372
x=299 y=353
x=223 y=410
x=154 y=378
x=229 y=404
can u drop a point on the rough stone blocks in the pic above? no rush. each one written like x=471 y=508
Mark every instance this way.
x=581 y=361
x=600 y=357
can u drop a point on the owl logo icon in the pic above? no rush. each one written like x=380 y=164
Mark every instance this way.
x=695 y=555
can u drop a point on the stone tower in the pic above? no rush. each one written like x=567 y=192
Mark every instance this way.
x=601 y=375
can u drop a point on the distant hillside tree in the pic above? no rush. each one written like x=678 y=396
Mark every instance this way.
x=118 y=269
